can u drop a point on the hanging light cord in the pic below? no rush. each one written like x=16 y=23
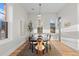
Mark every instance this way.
x=39 y=9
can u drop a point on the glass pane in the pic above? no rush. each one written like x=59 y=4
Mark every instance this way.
x=52 y=27
x=3 y=23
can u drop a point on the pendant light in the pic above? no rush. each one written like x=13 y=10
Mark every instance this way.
x=39 y=16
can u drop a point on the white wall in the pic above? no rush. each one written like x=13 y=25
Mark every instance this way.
x=69 y=33
x=45 y=20
x=17 y=34
x=78 y=23
x=19 y=21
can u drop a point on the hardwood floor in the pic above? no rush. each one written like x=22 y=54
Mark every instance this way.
x=59 y=48
x=55 y=48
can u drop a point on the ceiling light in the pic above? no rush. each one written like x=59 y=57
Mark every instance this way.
x=39 y=16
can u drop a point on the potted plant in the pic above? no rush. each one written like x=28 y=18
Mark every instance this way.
x=30 y=29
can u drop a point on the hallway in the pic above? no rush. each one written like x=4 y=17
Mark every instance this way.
x=39 y=29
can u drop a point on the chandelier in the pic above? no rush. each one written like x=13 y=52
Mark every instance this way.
x=39 y=16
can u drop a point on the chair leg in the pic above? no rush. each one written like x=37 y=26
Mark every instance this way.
x=32 y=48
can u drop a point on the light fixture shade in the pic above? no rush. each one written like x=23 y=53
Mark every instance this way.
x=39 y=15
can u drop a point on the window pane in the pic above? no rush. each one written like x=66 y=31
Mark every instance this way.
x=3 y=23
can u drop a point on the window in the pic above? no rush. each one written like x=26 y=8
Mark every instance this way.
x=52 y=27
x=3 y=22
x=40 y=30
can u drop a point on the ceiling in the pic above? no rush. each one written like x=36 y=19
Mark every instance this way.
x=45 y=7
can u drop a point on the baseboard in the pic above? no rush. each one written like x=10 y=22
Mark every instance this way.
x=14 y=49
